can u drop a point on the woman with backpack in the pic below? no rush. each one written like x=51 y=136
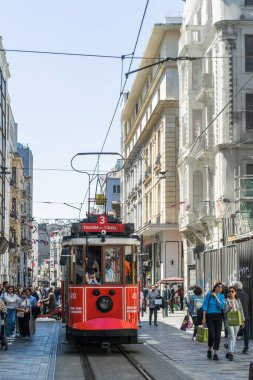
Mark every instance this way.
x=195 y=303
x=213 y=305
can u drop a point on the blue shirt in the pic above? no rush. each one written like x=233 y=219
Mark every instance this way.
x=32 y=300
x=210 y=305
x=195 y=303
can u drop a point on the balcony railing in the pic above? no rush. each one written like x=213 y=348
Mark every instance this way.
x=203 y=85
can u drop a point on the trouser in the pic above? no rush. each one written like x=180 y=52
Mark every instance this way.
x=182 y=303
x=10 y=322
x=24 y=325
x=165 y=310
x=151 y=311
x=232 y=334
x=214 y=324
x=32 y=325
x=172 y=305
x=195 y=323
x=246 y=333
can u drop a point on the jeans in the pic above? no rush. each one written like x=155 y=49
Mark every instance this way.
x=232 y=334
x=214 y=324
x=195 y=323
x=151 y=311
x=246 y=334
x=10 y=322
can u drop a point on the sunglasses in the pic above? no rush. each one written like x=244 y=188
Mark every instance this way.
x=220 y=286
x=231 y=291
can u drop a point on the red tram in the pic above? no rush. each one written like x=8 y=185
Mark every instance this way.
x=100 y=280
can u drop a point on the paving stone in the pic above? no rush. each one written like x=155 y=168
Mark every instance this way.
x=167 y=341
x=33 y=359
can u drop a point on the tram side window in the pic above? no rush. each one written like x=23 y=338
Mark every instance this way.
x=129 y=266
x=79 y=265
x=113 y=264
x=93 y=266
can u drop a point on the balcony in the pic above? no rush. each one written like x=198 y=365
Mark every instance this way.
x=196 y=213
x=204 y=87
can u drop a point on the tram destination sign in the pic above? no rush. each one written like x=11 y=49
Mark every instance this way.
x=103 y=225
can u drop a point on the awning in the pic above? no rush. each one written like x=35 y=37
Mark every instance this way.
x=171 y=280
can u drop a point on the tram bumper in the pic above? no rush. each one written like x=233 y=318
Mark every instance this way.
x=105 y=327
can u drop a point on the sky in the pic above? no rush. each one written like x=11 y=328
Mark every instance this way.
x=64 y=105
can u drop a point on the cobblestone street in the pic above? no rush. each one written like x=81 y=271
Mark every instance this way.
x=190 y=356
x=33 y=360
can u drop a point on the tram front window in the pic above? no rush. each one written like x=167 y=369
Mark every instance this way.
x=79 y=265
x=93 y=266
x=129 y=266
x=113 y=263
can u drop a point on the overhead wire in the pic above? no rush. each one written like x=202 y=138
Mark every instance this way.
x=120 y=96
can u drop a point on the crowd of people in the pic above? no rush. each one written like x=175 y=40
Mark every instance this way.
x=19 y=308
x=210 y=310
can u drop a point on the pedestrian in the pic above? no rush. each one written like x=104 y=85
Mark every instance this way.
x=50 y=301
x=152 y=306
x=1 y=291
x=180 y=293
x=194 y=304
x=166 y=298
x=34 y=293
x=213 y=304
x=23 y=314
x=244 y=298
x=145 y=294
x=11 y=300
x=232 y=303
x=33 y=306
x=172 y=299
x=5 y=286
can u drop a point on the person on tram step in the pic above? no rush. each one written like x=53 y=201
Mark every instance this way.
x=90 y=277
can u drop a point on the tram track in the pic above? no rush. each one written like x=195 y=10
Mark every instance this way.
x=99 y=364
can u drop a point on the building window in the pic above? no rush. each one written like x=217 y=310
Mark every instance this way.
x=249 y=52
x=249 y=111
x=248 y=2
x=116 y=189
x=197 y=191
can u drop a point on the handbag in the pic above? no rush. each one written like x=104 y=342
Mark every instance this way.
x=185 y=323
x=234 y=318
x=20 y=314
x=202 y=334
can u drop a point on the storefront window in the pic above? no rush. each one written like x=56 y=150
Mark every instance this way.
x=113 y=264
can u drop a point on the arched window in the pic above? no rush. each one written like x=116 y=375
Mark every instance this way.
x=197 y=190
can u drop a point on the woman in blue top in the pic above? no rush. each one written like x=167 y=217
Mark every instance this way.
x=213 y=305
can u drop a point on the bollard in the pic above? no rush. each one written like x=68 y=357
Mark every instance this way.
x=251 y=371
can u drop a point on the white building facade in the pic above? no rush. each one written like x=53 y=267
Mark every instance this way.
x=149 y=186
x=216 y=136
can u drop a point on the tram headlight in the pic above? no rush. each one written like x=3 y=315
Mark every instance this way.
x=96 y=292
x=111 y=292
x=104 y=304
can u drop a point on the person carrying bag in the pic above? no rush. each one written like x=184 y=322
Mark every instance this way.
x=213 y=305
x=23 y=314
x=234 y=318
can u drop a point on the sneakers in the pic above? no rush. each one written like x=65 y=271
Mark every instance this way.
x=156 y=324
x=209 y=354
x=216 y=357
x=194 y=338
x=231 y=357
x=227 y=355
x=245 y=351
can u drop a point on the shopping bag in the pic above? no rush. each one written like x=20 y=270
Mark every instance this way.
x=234 y=318
x=202 y=334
